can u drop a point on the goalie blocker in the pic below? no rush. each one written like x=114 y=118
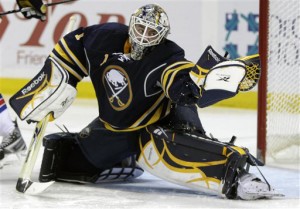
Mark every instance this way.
x=50 y=91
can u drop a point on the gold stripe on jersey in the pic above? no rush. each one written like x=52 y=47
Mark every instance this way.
x=175 y=71
x=156 y=115
x=171 y=66
x=66 y=67
x=159 y=113
x=73 y=57
x=62 y=53
x=167 y=112
x=170 y=72
x=116 y=129
x=59 y=53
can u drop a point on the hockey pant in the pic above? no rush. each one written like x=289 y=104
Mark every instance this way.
x=96 y=154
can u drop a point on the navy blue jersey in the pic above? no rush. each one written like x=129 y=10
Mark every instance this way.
x=131 y=93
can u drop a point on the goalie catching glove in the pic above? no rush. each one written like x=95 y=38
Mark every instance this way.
x=48 y=92
x=219 y=78
x=226 y=75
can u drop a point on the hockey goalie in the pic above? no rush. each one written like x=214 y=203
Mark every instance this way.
x=148 y=94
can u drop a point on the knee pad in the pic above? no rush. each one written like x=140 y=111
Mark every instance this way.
x=63 y=160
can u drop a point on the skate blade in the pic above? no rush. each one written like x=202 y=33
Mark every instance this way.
x=267 y=194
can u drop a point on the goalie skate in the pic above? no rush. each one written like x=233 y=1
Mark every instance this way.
x=251 y=188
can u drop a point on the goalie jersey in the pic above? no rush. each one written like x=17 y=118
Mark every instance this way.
x=131 y=94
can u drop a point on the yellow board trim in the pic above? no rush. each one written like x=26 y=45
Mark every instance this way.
x=11 y=86
x=85 y=89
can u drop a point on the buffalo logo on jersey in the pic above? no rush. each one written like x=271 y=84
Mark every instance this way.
x=117 y=87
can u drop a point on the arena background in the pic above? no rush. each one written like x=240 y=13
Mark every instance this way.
x=230 y=25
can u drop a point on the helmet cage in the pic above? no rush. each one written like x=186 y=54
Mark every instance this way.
x=143 y=39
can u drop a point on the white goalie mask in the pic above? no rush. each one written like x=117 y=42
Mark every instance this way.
x=149 y=26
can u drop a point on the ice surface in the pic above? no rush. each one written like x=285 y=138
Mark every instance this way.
x=148 y=191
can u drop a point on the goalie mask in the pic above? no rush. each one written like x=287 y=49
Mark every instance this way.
x=149 y=26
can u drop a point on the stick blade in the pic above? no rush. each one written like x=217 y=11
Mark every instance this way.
x=27 y=186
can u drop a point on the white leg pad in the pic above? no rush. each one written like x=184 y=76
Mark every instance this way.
x=152 y=161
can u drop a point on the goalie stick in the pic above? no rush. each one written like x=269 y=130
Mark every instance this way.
x=24 y=183
x=28 y=8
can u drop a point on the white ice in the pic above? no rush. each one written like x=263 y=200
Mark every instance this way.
x=148 y=191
